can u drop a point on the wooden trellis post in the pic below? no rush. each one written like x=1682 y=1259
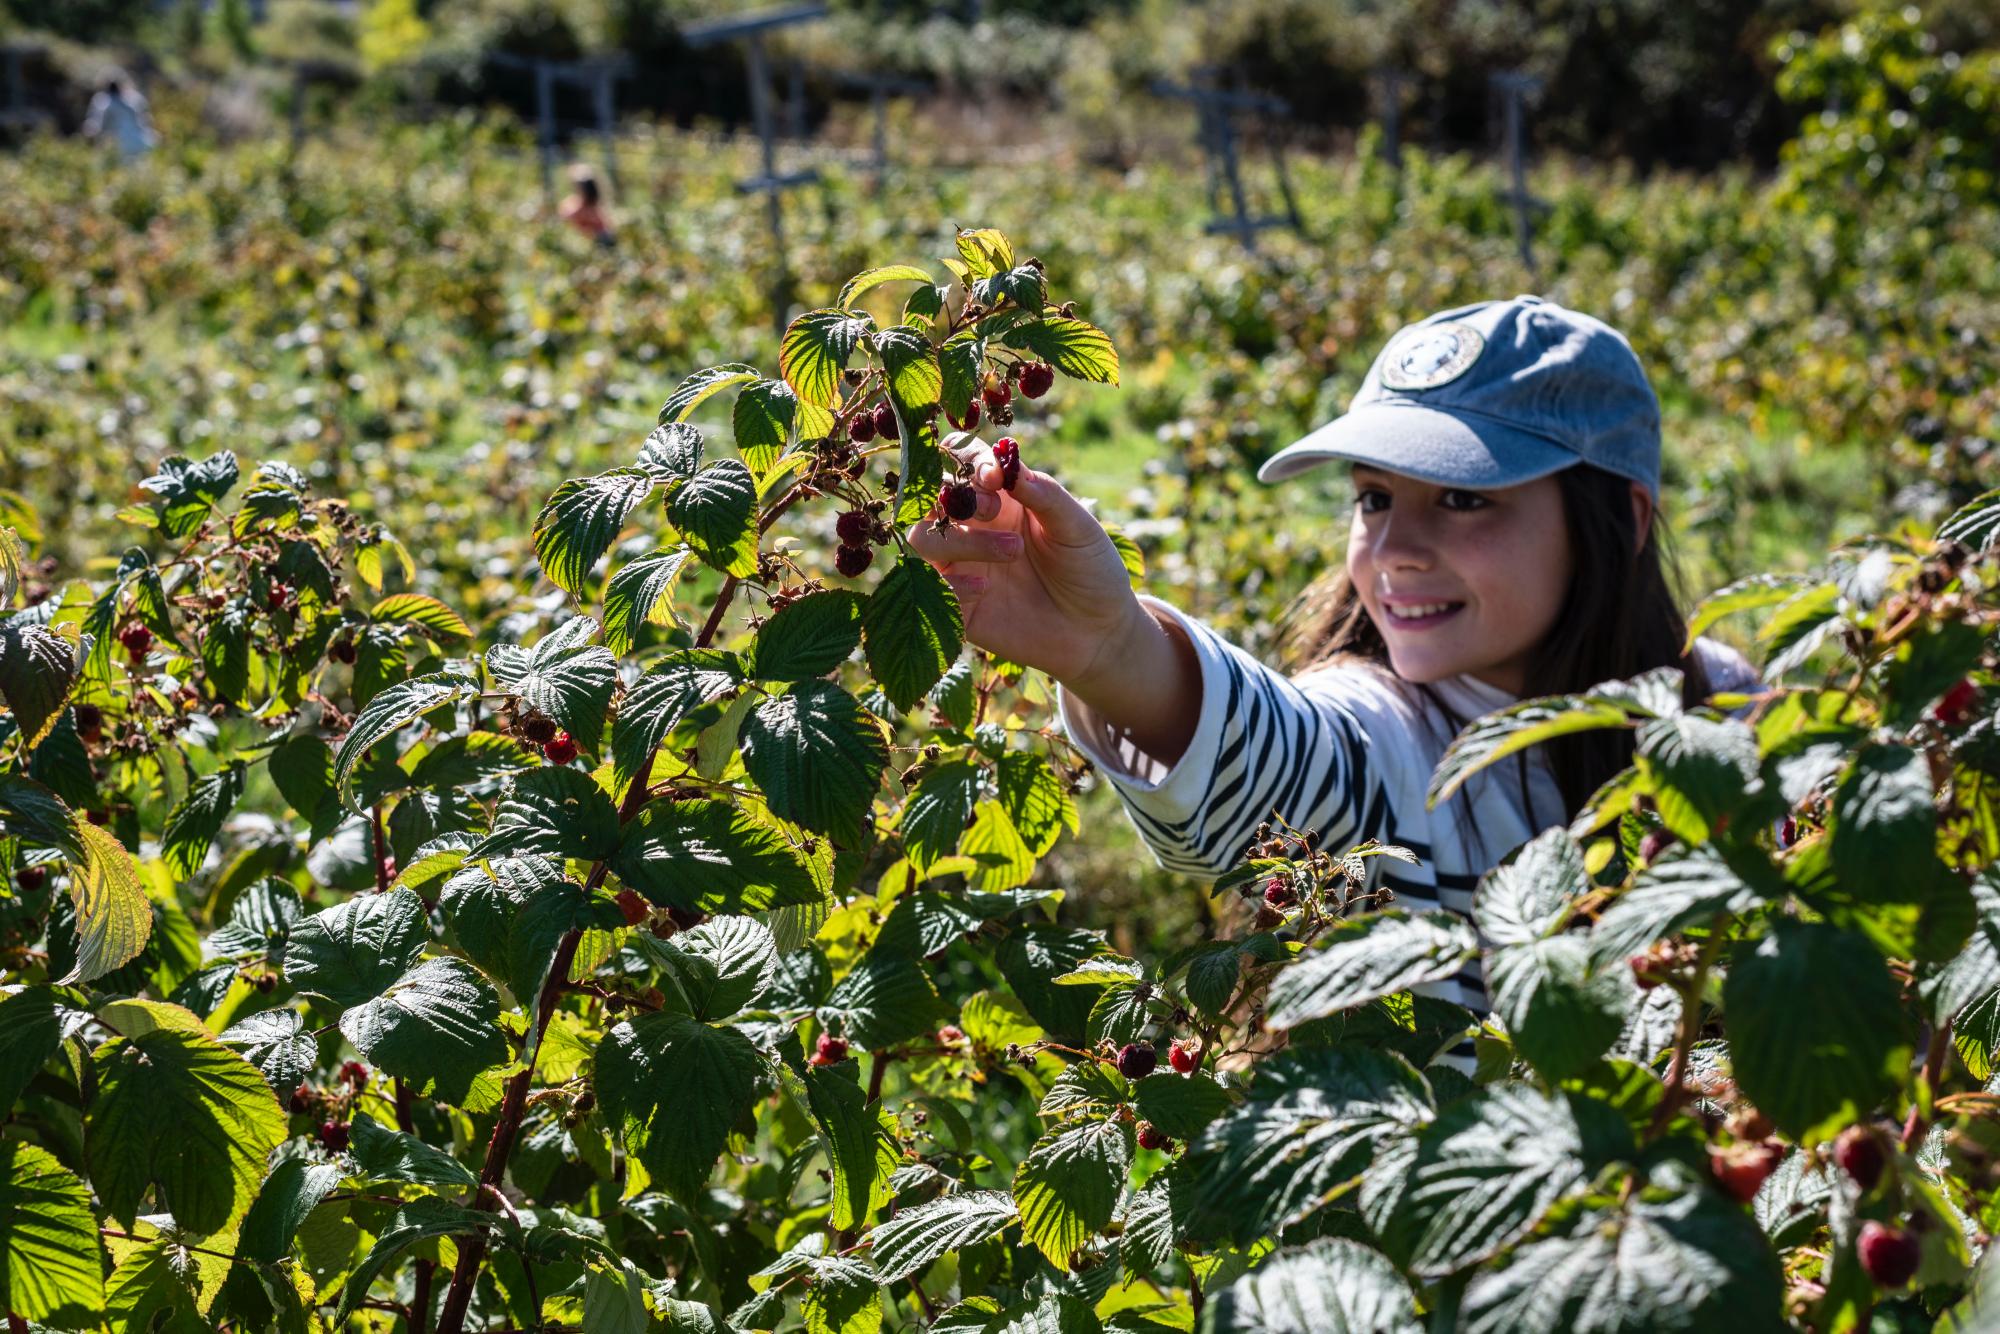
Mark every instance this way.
x=1516 y=92
x=598 y=77
x=1388 y=82
x=751 y=29
x=1217 y=135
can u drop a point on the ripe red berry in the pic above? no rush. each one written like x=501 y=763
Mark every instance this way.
x=851 y=561
x=1645 y=971
x=1036 y=378
x=301 y=1098
x=1741 y=1168
x=354 y=1073
x=137 y=640
x=1889 y=1254
x=885 y=423
x=855 y=528
x=333 y=1134
x=342 y=650
x=30 y=878
x=634 y=906
x=1956 y=708
x=961 y=501
x=1279 y=893
x=862 y=429
x=1859 y=1153
x=98 y=817
x=830 y=1050
x=89 y=721
x=951 y=1035
x=969 y=421
x=1137 y=1059
x=996 y=393
x=1007 y=453
x=1152 y=1137
x=280 y=596
x=1788 y=833
x=1184 y=1056
x=560 y=748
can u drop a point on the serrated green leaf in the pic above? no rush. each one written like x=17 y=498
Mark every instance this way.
x=818 y=758
x=862 y=1152
x=38 y=670
x=391 y=1155
x=709 y=856
x=192 y=825
x=913 y=630
x=672 y=453
x=555 y=811
x=52 y=1267
x=670 y=691
x=563 y=675
x=1499 y=734
x=1331 y=1286
x=715 y=512
x=581 y=519
x=809 y=637
x=351 y=952
x=1367 y=957
x=938 y=811
x=292 y=1191
x=437 y=1027
x=884 y=999
x=275 y=1041
x=1068 y=1186
x=1075 y=347
x=640 y=594
x=903 y=1245
x=114 y=917
x=675 y=1087
x=869 y=279
x=394 y=707
x=691 y=392
x=815 y=350
x=763 y=418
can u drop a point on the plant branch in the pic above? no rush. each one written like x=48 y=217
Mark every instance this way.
x=381 y=845
x=1685 y=1031
x=1913 y=1128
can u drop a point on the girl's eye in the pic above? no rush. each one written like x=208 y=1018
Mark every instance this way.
x=1465 y=500
x=1365 y=501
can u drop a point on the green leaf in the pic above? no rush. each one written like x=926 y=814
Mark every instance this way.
x=1666 y=899
x=1313 y=1120
x=885 y=999
x=292 y=1191
x=555 y=811
x=1075 y=347
x=275 y=1041
x=33 y=1022
x=1692 y=1261
x=192 y=825
x=843 y=1297
x=113 y=915
x=470 y=760
x=437 y=1026
x=1037 y=803
x=1751 y=594
x=563 y=675
x=905 y=1244
x=672 y=453
x=815 y=350
x=391 y=1155
x=38 y=669
x=1817 y=1034
x=418 y=1220
x=709 y=856
x=1068 y=1186
x=1331 y=1286
x=675 y=1087
x=985 y=251
x=53 y=1264
x=818 y=757
x=179 y=1113
x=639 y=594
x=1023 y=285
x=1701 y=770
x=691 y=392
x=961 y=366
x=913 y=630
x=763 y=418
x=1497 y=735
x=188 y=491
x=862 y=1151
x=1181 y=1105
x=719 y=967
x=225 y=649
x=392 y=708
x=809 y=637
x=938 y=811
x=351 y=952
x=436 y=620
x=869 y=279
x=1367 y=957
x=715 y=512
x=672 y=690
x=1884 y=823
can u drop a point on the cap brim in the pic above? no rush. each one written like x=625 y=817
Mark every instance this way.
x=1431 y=444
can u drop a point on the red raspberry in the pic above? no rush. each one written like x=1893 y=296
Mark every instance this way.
x=137 y=639
x=970 y=420
x=333 y=1134
x=996 y=393
x=1889 y=1254
x=1741 y=1168
x=31 y=878
x=862 y=429
x=280 y=596
x=1137 y=1059
x=1007 y=453
x=1036 y=378
x=301 y=1098
x=1653 y=844
x=830 y=1050
x=89 y=721
x=1279 y=893
x=885 y=423
x=560 y=748
x=1859 y=1153
x=961 y=501
x=342 y=650
x=1184 y=1056
x=98 y=817
x=951 y=1035
x=1645 y=971
x=855 y=528
x=354 y=1073
x=1788 y=834
x=634 y=906
x=851 y=561
x=1152 y=1137
x=1956 y=708
x=539 y=729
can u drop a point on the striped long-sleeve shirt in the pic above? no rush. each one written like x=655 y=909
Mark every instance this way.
x=1346 y=750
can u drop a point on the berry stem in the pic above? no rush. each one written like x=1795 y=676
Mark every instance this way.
x=1913 y=1128
x=381 y=846
x=1685 y=1031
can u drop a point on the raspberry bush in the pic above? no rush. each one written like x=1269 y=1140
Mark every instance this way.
x=630 y=962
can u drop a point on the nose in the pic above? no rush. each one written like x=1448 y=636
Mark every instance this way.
x=1401 y=541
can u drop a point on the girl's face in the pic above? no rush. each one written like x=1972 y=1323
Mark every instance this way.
x=1459 y=581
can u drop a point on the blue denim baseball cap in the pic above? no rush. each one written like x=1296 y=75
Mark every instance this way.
x=1493 y=395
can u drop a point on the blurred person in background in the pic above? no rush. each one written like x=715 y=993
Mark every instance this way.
x=583 y=208
x=118 y=112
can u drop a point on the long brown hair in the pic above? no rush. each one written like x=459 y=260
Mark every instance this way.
x=1621 y=616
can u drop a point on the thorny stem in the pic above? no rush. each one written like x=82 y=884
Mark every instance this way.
x=381 y=845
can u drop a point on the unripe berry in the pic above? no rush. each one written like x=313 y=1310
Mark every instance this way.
x=885 y=422
x=560 y=748
x=633 y=906
x=1645 y=971
x=1152 y=1137
x=1653 y=844
x=1036 y=378
x=951 y=1035
x=1184 y=1056
x=1741 y=1168
x=1859 y=1153
x=333 y=1134
x=961 y=501
x=31 y=878
x=862 y=429
x=854 y=528
x=266 y=982
x=1956 y=708
x=851 y=561
x=1279 y=893
x=830 y=1050
x=1007 y=453
x=1137 y=1059
x=1889 y=1254
x=996 y=393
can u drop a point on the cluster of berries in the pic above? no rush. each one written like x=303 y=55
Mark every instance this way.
x=829 y=1050
x=858 y=532
x=137 y=641
x=1888 y=1253
x=867 y=425
x=557 y=746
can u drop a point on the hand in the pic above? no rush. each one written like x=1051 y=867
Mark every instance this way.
x=1039 y=581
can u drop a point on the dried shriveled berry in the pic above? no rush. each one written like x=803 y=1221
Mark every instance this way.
x=1152 y=1137
x=1267 y=917
x=1007 y=453
x=1279 y=893
x=830 y=1050
x=1889 y=1254
x=886 y=425
x=539 y=728
x=137 y=640
x=301 y=1098
x=855 y=528
x=1859 y=1153
x=560 y=748
x=342 y=650
x=961 y=501
x=89 y=722
x=1184 y=1056
x=354 y=1073
x=862 y=429
x=851 y=561
x=1137 y=1059
x=1036 y=378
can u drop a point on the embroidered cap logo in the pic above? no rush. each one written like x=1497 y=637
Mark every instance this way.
x=1434 y=356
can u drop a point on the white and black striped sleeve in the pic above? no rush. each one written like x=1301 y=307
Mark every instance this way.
x=1261 y=745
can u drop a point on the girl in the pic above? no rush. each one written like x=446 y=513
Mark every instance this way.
x=583 y=208
x=1506 y=461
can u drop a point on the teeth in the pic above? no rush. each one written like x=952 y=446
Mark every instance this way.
x=1416 y=613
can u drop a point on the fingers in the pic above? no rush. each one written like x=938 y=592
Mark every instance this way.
x=955 y=542
x=1062 y=515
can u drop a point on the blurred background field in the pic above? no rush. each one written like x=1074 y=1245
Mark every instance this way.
x=1790 y=209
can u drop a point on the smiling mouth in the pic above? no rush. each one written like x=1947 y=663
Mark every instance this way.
x=1421 y=614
